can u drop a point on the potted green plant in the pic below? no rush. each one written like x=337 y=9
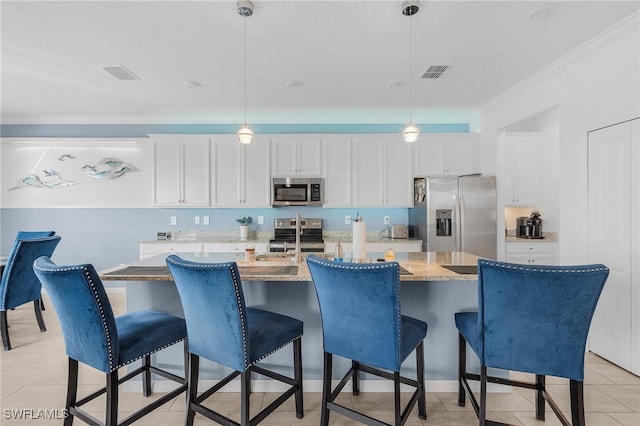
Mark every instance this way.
x=244 y=227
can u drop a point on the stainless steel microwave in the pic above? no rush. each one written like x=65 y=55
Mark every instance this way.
x=296 y=191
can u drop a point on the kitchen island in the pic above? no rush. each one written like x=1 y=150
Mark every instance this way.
x=429 y=291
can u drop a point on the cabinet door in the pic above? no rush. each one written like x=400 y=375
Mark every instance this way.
x=167 y=184
x=226 y=172
x=429 y=156
x=398 y=174
x=256 y=175
x=309 y=156
x=337 y=172
x=368 y=172
x=445 y=154
x=196 y=180
x=458 y=150
x=181 y=175
x=522 y=168
x=295 y=155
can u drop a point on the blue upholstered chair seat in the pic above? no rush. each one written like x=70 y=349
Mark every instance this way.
x=532 y=319
x=413 y=332
x=362 y=321
x=467 y=324
x=269 y=331
x=145 y=332
x=19 y=284
x=222 y=329
x=95 y=337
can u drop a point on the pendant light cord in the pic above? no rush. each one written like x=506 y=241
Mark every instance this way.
x=410 y=78
x=244 y=20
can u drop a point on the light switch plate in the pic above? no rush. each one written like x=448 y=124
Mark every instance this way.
x=347 y=220
x=260 y=220
x=205 y=220
x=197 y=220
x=174 y=220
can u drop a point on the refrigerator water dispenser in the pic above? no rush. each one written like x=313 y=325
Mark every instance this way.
x=443 y=222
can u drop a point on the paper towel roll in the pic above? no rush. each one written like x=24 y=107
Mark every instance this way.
x=359 y=240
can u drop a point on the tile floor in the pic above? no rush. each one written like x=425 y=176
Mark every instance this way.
x=33 y=377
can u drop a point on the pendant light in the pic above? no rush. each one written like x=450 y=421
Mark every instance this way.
x=411 y=132
x=245 y=9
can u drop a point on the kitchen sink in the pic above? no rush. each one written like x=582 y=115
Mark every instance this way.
x=268 y=270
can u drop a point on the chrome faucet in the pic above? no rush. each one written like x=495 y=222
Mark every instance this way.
x=298 y=256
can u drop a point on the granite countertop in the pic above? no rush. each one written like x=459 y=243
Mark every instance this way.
x=425 y=266
x=547 y=237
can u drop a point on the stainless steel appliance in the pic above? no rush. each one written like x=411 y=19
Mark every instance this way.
x=295 y=191
x=529 y=227
x=455 y=213
x=284 y=238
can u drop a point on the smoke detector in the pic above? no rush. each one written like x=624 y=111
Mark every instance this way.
x=244 y=8
x=410 y=7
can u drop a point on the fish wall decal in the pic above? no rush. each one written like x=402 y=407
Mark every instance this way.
x=107 y=168
x=51 y=179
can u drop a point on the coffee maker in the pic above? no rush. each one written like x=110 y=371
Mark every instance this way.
x=529 y=227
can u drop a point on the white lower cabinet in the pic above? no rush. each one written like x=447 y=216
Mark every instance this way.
x=233 y=247
x=153 y=249
x=409 y=246
x=537 y=253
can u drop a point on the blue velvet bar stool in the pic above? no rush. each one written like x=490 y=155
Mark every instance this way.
x=95 y=337
x=362 y=321
x=222 y=329
x=19 y=284
x=532 y=319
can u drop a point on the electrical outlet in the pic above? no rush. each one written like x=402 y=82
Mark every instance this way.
x=387 y=220
x=197 y=220
x=205 y=220
x=174 y=220
x=260 y=220
x=347 y=220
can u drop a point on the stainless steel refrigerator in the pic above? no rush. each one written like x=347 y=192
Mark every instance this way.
x=455 y=213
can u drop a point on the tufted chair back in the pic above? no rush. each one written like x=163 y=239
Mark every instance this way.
x=79 y=298
x=536 y=319
x=360 y=310
x=19 y=284
x=214 y=309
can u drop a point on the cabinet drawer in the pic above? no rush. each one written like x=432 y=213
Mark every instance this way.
x=536 y=248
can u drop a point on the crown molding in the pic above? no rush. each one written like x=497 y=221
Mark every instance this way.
x=624 y=28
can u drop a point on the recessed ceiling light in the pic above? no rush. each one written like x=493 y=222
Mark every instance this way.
x=543 y=11
x=192 y=84
x=292 y=84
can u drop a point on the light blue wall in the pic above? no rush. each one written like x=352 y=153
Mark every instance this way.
x=109 y=237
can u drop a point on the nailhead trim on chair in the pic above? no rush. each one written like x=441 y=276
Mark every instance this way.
x=341 y=265
x=8 y=268
x=534 y=269
x=89 y=280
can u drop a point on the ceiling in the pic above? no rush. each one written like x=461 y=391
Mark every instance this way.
x=350 y=58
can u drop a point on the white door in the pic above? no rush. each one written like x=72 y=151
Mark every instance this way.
x=609 y=180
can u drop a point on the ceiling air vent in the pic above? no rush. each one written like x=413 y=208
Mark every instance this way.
x=435 y=71
x=121 y=73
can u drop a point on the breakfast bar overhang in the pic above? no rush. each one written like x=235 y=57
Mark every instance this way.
x=435 y=285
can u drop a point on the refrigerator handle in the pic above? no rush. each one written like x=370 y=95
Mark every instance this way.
x=460 y=205
x=456 y=226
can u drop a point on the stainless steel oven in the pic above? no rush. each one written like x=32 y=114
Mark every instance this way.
x=284 y=238
x=295 y=191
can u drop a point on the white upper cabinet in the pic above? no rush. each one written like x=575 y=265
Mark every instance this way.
x=338 y=188
x=296 y=155
x=382 y=172
x=445 y=154
x=181 y=173
x=241 y=173
x=521 y=167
